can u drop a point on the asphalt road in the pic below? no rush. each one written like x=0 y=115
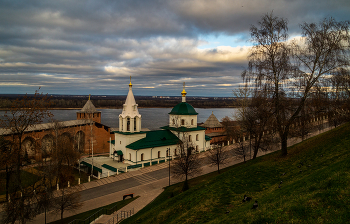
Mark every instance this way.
x=127 y=183
x=123 y=184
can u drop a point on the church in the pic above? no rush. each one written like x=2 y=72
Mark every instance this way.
x=134 y=146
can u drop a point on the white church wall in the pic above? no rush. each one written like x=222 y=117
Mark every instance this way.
x=190 y=121
x=149 y=154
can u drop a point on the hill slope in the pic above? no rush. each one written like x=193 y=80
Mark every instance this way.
x=317 y=192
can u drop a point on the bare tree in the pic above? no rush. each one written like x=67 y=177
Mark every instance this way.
x=68 y=200
x=24 y=113
x=187 y=163
x=288 y=73
x=241 y=151
x=63 y=154
x=218 y=156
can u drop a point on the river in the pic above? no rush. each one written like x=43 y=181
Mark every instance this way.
x=152 y=118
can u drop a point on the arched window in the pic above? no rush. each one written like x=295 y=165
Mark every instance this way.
x=196 y=148
x=197 y=137
x=130 y=156
x=192 y=122
x=128 y=124
x=135 y=124
x=158 y=154
x=142 y=157
x=182 y=122
x=190 y=138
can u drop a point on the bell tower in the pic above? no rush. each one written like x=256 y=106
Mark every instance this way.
x=130 y=119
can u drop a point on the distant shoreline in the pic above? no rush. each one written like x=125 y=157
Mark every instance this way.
x=8 y=109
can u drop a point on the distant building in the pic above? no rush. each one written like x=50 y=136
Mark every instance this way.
x=86 y=134
x=214 y=129
x=134 y=146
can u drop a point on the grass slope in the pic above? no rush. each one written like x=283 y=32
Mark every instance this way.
x=317 y=192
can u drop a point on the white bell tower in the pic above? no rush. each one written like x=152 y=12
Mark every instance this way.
x=130 y=119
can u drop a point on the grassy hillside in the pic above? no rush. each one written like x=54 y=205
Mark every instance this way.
x=317 y=192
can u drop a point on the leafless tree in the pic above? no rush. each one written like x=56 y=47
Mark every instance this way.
x=218 y=156
x=241 y=150
x=187 y=163
x=288 y=73
x=68 y=199
x=24 y=113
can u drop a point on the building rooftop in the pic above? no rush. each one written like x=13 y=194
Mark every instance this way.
x=183 y=109
x=47 y=126
x=212 y=122
x=155 y=139
x=88 y=107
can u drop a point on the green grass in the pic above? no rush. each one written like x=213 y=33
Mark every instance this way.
x=84 y=215
x=320 y=193
x=27 y=179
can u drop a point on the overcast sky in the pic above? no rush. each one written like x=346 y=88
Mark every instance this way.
x=94 y=46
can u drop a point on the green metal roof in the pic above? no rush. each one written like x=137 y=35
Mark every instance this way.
x=183 y=129
x=183 y=109
x=130 y=133
x=118 y=152
x=155 y=139
x=89 y=165
x=207 y=138
x=112 y=142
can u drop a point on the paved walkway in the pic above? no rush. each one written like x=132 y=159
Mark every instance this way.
x=148 y=191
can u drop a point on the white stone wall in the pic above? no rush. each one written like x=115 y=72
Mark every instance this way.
x=149 y=154
x=175 y=121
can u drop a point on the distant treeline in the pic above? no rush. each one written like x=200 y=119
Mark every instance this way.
x=67 y=101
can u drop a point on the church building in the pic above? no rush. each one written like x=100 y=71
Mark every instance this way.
x=134 y=146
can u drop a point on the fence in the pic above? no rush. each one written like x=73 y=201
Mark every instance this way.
x=103 y=211
x=120 y=216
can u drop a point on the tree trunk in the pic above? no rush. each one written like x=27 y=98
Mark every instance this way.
x=256 y=149
x=284 y=141
x=218 y=167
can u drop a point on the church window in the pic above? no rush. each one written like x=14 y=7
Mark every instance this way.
x=130 y=156
x=192 y=122
x=158 y=154
x=142 y=157
x=120 y=142
x=197 y=137
x=182 y=122
x=167 y=153
x=190 y=138
x=128 y=124
x=175 y=153
x=135 y=124
x=196 y=148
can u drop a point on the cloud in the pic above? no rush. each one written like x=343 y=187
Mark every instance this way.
x=82 y=47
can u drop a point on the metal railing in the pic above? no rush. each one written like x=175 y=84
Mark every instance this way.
x=120 y=216
x=93 y=217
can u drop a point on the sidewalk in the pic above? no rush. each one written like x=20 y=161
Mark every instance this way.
x=149 y=190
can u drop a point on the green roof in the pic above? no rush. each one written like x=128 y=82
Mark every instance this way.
x=155 y=139
x=89 y=165
x=183 y=109
x=207 y=138
x=130 y=133
x=112 y=142
x=183 y=129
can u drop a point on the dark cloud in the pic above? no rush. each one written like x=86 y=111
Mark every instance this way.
x=82 y=47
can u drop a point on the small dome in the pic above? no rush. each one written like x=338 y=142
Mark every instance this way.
x=183 y=109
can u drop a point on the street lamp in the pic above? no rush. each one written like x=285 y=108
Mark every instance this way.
x=169 y=163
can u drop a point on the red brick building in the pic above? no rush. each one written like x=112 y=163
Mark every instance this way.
x=86 y=134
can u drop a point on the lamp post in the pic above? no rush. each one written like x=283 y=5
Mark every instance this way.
x=169 y=164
